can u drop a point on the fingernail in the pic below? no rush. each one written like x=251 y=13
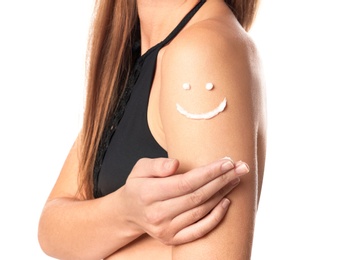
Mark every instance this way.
x=225 y=203
x=227 y=166
x=228 y=158
x=241 y=168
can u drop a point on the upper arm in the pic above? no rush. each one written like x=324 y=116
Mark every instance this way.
x=231 y=64
x=66 y=184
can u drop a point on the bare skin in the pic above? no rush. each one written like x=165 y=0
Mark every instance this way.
x=124 y=224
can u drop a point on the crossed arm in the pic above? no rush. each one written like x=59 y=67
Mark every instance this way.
x=92 y=229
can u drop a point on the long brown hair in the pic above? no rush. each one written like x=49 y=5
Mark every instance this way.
x=244 y=11
x=109 y=63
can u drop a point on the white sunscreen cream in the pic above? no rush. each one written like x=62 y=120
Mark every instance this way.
x=209 y=86
x=207 y=115
x=186 y=86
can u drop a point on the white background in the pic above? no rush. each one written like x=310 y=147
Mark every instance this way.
x=307 y=51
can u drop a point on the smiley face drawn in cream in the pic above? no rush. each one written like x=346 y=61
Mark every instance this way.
x=206 y=115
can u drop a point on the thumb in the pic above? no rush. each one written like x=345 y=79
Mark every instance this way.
x=158 y=167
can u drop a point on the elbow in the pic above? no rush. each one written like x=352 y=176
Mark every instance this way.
x=43 y=236
x=53 y=246
x=47 y=237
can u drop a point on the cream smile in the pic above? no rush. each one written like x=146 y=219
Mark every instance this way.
x=207 y=115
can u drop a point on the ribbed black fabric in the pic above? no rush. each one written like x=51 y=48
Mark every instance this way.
x=127 y=137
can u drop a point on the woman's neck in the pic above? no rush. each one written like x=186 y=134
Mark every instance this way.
x=159 y=17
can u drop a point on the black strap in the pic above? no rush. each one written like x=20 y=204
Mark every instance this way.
x=182 y=23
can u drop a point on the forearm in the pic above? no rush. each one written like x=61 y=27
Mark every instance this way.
x=91 y=229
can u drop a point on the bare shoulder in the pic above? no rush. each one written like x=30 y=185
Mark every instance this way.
x=214 y=50
x=210 y=43
x=217 y=51
x=210 y=71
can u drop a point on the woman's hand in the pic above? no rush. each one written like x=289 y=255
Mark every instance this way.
x=176 y=209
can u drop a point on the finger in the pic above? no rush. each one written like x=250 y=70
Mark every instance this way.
x=204 y=226
x=217 y=187
x=182 y=184
x=195 y=214
x=158 y=167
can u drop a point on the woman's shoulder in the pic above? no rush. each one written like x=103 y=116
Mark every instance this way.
x=211 y=41
x=216 y=50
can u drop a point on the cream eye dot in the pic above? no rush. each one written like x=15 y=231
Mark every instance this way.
x=209 y=86
x=186 y=86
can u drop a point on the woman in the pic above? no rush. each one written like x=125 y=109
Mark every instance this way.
x=177 y=79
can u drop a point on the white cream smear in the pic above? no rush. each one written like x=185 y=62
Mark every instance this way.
x=207 y=115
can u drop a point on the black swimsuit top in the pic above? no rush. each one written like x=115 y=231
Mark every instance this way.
x=128 y=138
